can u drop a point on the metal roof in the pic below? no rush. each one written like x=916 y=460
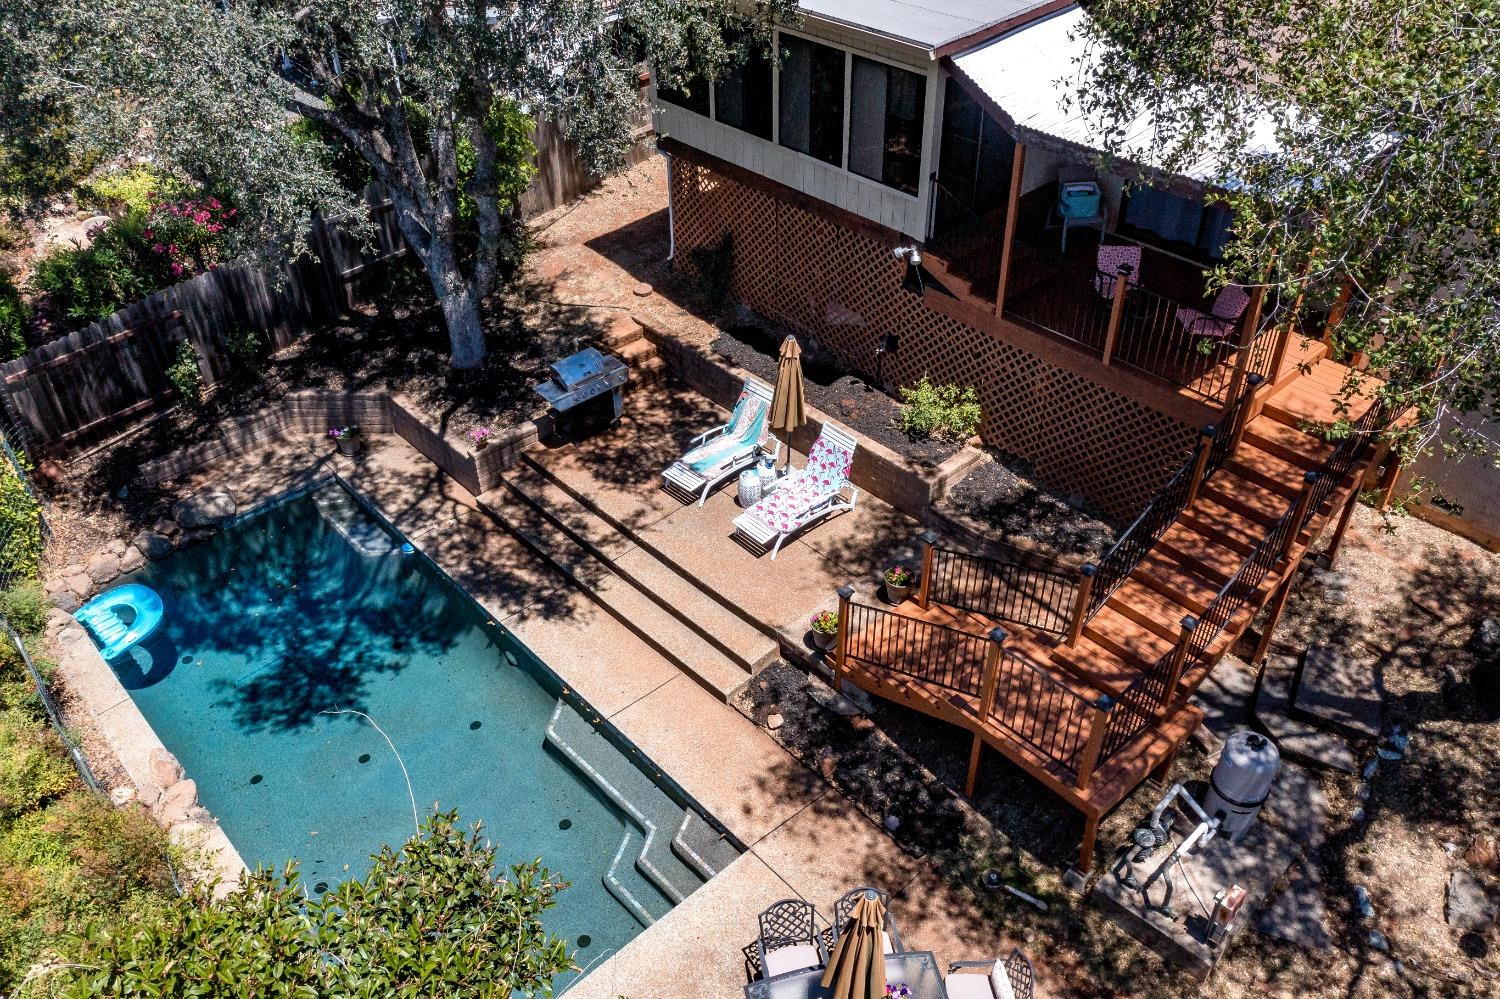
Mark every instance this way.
x=1031 y=72
x=927 y=24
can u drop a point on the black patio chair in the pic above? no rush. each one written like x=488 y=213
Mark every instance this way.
x=789 y=939
x=1019 y=975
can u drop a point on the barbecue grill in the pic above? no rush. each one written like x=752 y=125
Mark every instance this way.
x=585 y=392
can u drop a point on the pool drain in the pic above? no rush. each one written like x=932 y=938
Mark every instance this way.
x=565 y=824
x=585 y=940
x=364 y=757
x=256 y=779
x=474 y=726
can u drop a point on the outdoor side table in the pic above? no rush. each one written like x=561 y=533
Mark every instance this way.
x=750 y=487
x=918 y=970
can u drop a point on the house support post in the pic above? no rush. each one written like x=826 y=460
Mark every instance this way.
x=1081 y=600
x=1178 y=662
x=1299 y=515
x=1331 y=557
x=986 y=703
x=1200 y=463
x=841 y=646
x=1008 y=240
x=929 y=540
x=1117 y=310
x=1336 y=314
x=1099 y=712
x=1273 y=618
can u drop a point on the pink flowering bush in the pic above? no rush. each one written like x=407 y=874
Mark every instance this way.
x=188 y=233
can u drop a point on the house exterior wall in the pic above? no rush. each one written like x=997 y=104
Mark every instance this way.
x=835 y=185
x=793 y=262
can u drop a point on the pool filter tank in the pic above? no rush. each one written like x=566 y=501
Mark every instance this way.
x=1241 y=782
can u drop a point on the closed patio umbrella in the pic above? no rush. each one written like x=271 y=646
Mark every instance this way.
x=789 y=404
x=857 y=969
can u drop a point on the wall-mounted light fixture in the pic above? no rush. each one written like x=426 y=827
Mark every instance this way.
x=912 y=279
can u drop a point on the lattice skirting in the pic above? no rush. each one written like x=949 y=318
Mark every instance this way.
x=844 y=290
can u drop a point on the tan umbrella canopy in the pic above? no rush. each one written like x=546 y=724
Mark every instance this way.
x=789 y=403
x=857 y=970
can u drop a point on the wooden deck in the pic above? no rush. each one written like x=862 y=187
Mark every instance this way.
x=1037 y=700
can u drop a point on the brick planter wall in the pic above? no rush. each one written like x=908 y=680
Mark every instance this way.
x=843 y=288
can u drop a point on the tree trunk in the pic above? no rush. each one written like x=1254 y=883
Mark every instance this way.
x=465 y=329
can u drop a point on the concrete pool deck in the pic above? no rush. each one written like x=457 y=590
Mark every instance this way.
x=803 y=838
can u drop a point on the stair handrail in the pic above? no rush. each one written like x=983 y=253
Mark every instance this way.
x=1033 y=595
x=1213 y=448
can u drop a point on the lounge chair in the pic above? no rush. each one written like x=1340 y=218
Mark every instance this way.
x=1108 y=261
x=1012 y=978
x=843 y=909
x=789 y=939
x=717 y=454
x=815 y=490
x=1223 y=317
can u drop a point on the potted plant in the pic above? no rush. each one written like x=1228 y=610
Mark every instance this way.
x=480 y=437
x=347 y=438
x=825 y=629
x=897 y=583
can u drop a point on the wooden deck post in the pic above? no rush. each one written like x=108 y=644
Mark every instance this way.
x=841 y=647
x=1012 y=203
x=1249 y=323
x=1242 y=415
x=1099 y=721
x=1273 y=618
x=924 y=587
x=1388 y=481
x=1299 y=514
x=1086 y=845
x=1331 y=557
x=1178 y=661
x=1200 y=462
x=1117 y=309
x=987 y=694
x=1081 y=599
x=1336 y=313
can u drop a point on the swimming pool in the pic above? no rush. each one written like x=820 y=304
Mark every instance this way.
x=310 y=607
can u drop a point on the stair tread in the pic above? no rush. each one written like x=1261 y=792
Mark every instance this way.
x=1165 y=573
x=1226 y=527
x=1126 y=638
x=1248 y=498
x=1287 y=443
x=1160 y=612
x=1202 y=554
x=1271 y=471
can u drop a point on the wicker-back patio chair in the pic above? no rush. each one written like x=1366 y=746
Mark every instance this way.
x=789 y=939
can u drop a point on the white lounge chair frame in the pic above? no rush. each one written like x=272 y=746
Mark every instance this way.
x=682 y=475
x=845 y=497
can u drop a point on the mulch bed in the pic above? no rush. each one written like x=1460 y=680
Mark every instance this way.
x=1001 y=500
x=864 y=407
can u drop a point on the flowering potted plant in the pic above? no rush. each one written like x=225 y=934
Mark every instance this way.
x=897 y=583
x=825 y=629
x=897 y=990
x=347 y=438
x=480 y=437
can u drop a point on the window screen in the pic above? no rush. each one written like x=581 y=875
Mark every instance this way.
x=886 y=107
x=812 y=99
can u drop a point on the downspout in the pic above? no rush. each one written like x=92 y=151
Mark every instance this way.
x=671 y=215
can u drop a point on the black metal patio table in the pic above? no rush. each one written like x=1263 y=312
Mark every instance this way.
x=918 y=970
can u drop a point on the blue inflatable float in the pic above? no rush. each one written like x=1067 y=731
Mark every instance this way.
x=121 y=618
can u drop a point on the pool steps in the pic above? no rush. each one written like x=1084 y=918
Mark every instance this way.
x=681 y=620
x=677 y=853
x=346 y=516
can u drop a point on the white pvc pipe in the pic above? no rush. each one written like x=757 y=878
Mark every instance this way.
x=671 y=213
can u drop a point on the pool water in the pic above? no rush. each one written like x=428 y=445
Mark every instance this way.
x=280 y=620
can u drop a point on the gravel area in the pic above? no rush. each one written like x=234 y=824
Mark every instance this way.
x=1000 y=500
x=756 y=348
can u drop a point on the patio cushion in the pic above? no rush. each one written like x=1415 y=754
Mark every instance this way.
x=825 y=473
x=1000 y=981
x=1109 y=260
x=743 y=433
x=793 y=958
x=968 y=986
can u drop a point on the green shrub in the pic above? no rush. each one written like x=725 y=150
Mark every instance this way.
x=91 y=282
x=243 y=344
x=33 y=765
x=938 y=412
x=15 y=319
x=185 y=375
x=120 y=192
x=20 y=526
x=25 y=606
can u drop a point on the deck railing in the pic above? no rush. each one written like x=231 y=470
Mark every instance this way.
x=933 y=653
x=1012 y=589
x=968 y=243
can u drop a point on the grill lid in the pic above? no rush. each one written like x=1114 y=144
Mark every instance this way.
x=575 y=369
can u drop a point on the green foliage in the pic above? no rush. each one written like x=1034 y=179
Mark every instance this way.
x=25 y=606
x=243 y=346
x=431 y=918
x=33 y=767
x=715 y=266
x=78 y=861
x=88 y=283
x=20 y=526
x=940 y=412
x=15 y=319
x=133 y=189
x=185 y=375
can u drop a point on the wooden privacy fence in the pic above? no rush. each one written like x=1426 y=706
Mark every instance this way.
x=82 y=385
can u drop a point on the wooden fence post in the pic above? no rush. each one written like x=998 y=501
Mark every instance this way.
x=924 y=587
x=1299 y=514
x=1200 y=462
x=1178 y=661
x=841 y=646
x=1388 y=481
x=1117 y=309
x=1081 y=600
x=987 y=694
x=1101 y=711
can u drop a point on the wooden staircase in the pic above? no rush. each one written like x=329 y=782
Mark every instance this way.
x=1093 y=712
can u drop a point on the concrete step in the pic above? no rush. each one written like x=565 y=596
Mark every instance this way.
x=629 y=596
x=630 y=887
x=644 y=803
x=622 y=332
x=345 y=515
x=704 y=848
